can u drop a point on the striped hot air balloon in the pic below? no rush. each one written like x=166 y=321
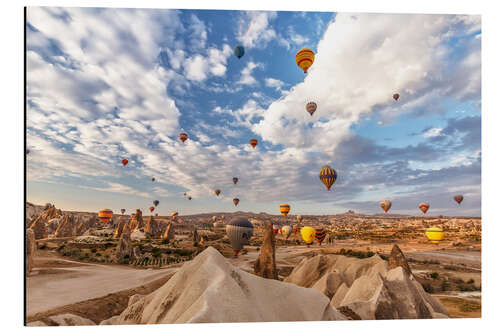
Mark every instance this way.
x=253 y=142
x=105 y=215
x=284 y=209
x=311 y=107
x=239 y=231
x=320 y=235
x=183 y=136
x=424 y=207
x=434 y=234
x=304 y=59
x=328 y=176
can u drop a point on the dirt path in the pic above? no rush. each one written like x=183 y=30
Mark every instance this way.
x=66 y=285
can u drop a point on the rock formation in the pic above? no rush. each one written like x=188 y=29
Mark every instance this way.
x=200 y=292
x=265 y=265
x=370 y=288
x=152 y=228
x=119 y=228
x=397 y=258
x=67 y=227
x=196 y=237
x=39 y=224
x=124 y=247
x=136 y=222
x=53 y=224
x=30 y=249
x=169 y=232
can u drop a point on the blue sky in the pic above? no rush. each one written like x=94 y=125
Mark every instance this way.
x=107 y=84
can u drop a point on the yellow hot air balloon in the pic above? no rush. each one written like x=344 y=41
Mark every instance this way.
x=284 y=209
x=434 y=234
x=328 y=176
x=105 y=215
x=304 y=59
x=308 y=234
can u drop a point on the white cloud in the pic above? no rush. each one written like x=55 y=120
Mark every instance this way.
x=274 y=83
x=254 y=29
x=432 y=132
x=246 y=73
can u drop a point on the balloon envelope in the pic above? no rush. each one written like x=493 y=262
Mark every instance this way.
x=239 y=51
x=235 y=180
x=385 y=205
x=124 y=162
x=217 y=192
x=156 y=202
x=304 y=59
x=311 y=107
x=253 y=143
x=328 y=176
x=320 y=235
x=239 y=231
x=458 y=198
x=434 y=234
x=183 y=136
x=395 y=96
x=105 y=215
x=308 y=234
x=236 y=201
x=286 y=231
x=284 y=209
x=424 y=207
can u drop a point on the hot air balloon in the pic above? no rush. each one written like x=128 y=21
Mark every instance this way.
x=124 y=162
x=153 y=179
x=424 y=206
x=183 y=136
x=286 y=231
x=311 y=107
x=275 y=228
x=122 y=210
x=105 y=215
x=308 y=234
x=434 y=234
x=189 y=198
x=395 y=96
x=235 y=201
x=235 y=180
x=151 y=209
x=385 y=205
x=239 y=51
x=217 y=192
x=458 y=198
x=296 y=229
x=253 y=142
x=328 y=176
x=299 y=218
x=304 y=59
x=239 y=231
x=184 y=193
x=320 y=235
x=156 y=202
x=284 y=209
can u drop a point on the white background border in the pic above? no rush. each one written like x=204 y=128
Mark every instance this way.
x=12 y=152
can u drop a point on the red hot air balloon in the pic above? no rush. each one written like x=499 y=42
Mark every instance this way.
x=395 y=96
x=236 y=201
x=458 y=198
x=151 y=209
x=189 y=198
x=253 y=143
x=424 y=207
x=183 y=136
x=124 y=162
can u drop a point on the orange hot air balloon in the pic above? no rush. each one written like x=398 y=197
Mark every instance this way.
x=328 y=176
x=304 y=59
x=217 y=192
x=183 y=136
x=424 y=207
x=311 y=107
x=105 y=215
x=385 y=205
x=284 y=209
x=124 y=162
x=236 y=201
x=458 y=198
x=253 y=143
x=395 y=96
